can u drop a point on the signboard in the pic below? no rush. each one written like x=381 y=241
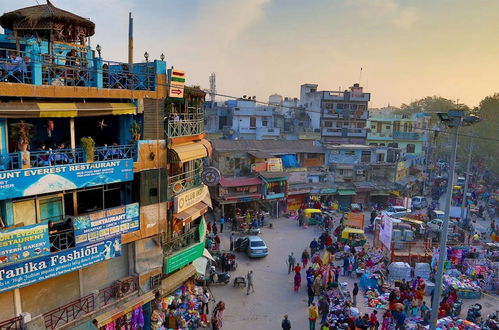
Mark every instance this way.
x=274 y=164
x=259 y=167
x=96 y=226
x=355 y=220
x=42 y=180
x=176 y=83
x=35 y=270
x=183 y=258
x=386 y=230
x=22 y=243
x=211 y=176
x=189 y=198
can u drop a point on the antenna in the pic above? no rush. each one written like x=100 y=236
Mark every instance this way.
x=213 y=88
x=360 y=75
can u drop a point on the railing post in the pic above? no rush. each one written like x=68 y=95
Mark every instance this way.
x=97 y=76
x=36 y=69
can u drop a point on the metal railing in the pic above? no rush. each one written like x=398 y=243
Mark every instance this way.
x=184 y=181
x=118 y=75
x=41 y=158
x=14 y=66
x=62 y=240
x=174 y=244
x=89 y=304
x=15 y=323
x=406 y=135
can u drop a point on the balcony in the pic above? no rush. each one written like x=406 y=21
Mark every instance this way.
x=15 y=323
x=91 y=303
x=380 y=136
x=184 y=181
x=331 y=131
x=357 y=132
x=180 y=242
x=185 y=124
x=43 y=69
x=412 y=136
x=263 y=132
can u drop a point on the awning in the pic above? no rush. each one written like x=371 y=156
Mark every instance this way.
x=208 y=255
x=207 y=145
x=346 y=192
x=379 y=193
x=325 y=191
x=260 y=154
x=395 y=193
x=175 y=280
x=200 y=265
x=64 y=110
x=274 y=176
x=241 y=181
x=192 y=213
x=185 y=152
x=126 y=308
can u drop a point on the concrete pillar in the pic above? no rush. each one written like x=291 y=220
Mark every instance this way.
x=17 y=302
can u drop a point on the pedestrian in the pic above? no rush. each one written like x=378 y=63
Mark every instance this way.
x=262 y=220
x=311 y=295
x=324 y=309
x=373 y=216
x=337 y=271
x=218 y=316
x=297 y=268
x=297 y=281
x=373 y=320
x=222 y=221
x=346 y=265
x=217 y=241
x=355 y=291
x=313 y=314
x=249 y=279
x=205 y=299
x=208 y=227
x=492 y=226
x=232 y=241
x=314 y=245
x=286 y=324
x=291 y=262
x=215 y=229
x=305 y=256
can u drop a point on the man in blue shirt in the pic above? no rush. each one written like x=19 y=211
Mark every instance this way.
x=222 y=221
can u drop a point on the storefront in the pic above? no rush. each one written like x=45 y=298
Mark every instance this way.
x=190 y=206
x=274 y=192
x=345 y=197
x=236 y=195
x=362 y=193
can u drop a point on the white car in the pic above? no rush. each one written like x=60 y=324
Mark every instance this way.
x=396 y=211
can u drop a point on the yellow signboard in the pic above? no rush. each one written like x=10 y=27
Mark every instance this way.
x=274 y=164
x=189 y=198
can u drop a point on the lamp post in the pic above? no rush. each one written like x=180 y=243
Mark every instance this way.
x=98 y=49
x=464 y=205
x=146 y=56
x=453 y=119
x=162 y=57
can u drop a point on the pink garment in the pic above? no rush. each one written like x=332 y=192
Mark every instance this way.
x=110 y=326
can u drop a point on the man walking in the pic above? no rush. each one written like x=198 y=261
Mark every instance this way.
x=232 y=241
x=354 y=293
x=222 y=221
x=286 y=324
x=291 y=262
x=313 y=314
x=249 y=279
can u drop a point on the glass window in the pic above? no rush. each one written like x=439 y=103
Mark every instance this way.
x=264 y=123
x=51 y=209
x=411 y=148
x=328 y=124
x=252 y=122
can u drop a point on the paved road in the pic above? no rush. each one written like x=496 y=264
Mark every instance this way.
x=274 y=295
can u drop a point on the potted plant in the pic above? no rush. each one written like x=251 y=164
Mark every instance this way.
x=21 y=133
x=88 y=145
x=135 y=131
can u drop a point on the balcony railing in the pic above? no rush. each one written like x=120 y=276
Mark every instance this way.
x=15 y=323
x=63 y=70
x=406 y=135
x=41 y=158
x=184 y=181
x=93 y=302
x=62 y=240
x=183 y=127
x=180 y=242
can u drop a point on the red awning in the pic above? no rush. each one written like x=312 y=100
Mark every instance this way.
x=236 y=182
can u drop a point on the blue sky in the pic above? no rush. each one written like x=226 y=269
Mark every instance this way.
x=408 y=49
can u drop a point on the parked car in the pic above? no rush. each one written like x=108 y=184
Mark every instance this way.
x=419 y=202
x=396 y=211
x=254 y=246
x=436 y=224
x=461 y=180
x=437 y=214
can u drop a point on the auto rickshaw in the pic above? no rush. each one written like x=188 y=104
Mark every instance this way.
x=354 y=236
x=310 y=215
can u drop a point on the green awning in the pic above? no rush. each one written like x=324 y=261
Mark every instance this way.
x=379 y=193
x=346 y=192
x=326 y=191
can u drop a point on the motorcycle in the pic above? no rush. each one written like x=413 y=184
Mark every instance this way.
x=218 y=277
x=474 y=313
x=456 y=308
x=492 y=322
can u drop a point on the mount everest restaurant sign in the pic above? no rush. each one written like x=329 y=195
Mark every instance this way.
x=42 y=268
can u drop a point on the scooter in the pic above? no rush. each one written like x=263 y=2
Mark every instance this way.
x=474 y=313
x=218 y=278
x=455 y=309
x=492 y=322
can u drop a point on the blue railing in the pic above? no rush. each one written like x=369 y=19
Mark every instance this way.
x=406 y=135
x=50 y=157
x=65 y=70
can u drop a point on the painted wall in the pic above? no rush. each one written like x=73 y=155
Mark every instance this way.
x=7 y=302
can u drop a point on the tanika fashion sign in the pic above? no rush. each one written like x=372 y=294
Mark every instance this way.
x=42 y=180
x=42 y=268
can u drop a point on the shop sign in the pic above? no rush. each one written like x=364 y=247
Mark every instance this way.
x=22 y=243
x=183 y=258
x=259 y=167
x=39 y=269
x=385 y=234
x=102 y=224
x=42 y=180
x=189 y=198
x=274 y=164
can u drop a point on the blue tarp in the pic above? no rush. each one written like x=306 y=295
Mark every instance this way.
x=289 y=161
x=368 y=281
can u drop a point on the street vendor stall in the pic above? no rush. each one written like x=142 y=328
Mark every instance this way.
x=465 y=287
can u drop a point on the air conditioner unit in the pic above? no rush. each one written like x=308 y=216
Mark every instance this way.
x=155 y=281
x=125 y=286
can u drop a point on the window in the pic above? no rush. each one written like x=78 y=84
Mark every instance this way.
x=340 y=106
x=361 y=125
x=411 y=148
x=341 y=172
x=388 y=127
x=349 y=152
x=373 y=126
x=36 y=210
x=346 y=124
x=365 y=156
x=381 y=157
x=361 y=107
x=393 y=145
x=328 y=124
x=51 y=209
x=265 y=122
x=24 y=212
x=252 y=122
x=353 y=106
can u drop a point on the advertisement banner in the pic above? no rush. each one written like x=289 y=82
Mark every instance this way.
x=183 y=258
x=189 y=198
x=35 y=270
x=386 y=230
x=42 y=180
x=274 y=164
x=96 y=226
x=18 y=244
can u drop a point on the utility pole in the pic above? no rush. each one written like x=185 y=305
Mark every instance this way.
x=464 y=204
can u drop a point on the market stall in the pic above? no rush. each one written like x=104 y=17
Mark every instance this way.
x=466 y=288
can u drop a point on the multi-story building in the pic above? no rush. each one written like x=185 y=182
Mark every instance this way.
x=253 y=122
x=94 y=222
x=340 y=116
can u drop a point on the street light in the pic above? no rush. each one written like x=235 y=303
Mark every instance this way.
x=453 y=119
x=162 y=57
x=98 y=49
x=146 y=55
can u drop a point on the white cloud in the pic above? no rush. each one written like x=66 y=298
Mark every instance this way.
x=394 y=12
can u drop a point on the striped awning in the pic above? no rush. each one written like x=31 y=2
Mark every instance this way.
x=56 y=109
x=191 y=214
x=189 y=151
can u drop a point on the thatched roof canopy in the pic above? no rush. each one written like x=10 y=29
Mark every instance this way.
x=44 y=17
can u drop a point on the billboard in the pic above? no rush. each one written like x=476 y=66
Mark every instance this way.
x=386 y=230
x=42 y=180
x=22 y=243
x=38 y=269
x=98 y=225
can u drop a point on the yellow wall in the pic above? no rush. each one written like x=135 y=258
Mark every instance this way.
x=7 y=305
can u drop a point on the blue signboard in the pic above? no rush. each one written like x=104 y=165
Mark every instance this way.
x=17 y=244
x=102 y=224
x=35 y=270
x=42 y=180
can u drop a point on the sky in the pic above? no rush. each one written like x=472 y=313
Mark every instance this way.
x=407 y=49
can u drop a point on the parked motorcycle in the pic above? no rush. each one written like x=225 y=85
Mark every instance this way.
x=492 y=322
x=474 y=313
x=456 y=308
x=218 y=277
